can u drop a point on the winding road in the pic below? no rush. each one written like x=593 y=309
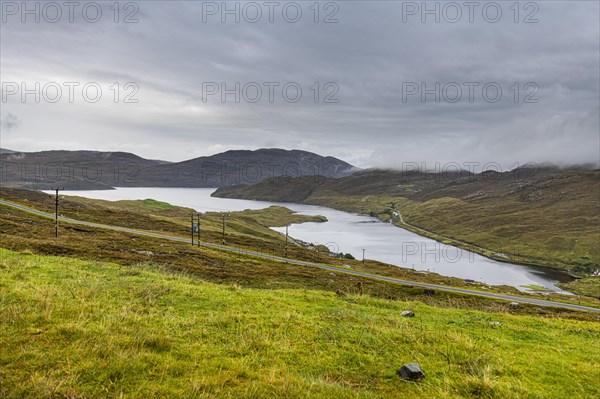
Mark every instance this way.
x=506 y=297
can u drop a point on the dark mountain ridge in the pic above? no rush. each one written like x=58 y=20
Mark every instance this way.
x=244 y=167
x=105 y=170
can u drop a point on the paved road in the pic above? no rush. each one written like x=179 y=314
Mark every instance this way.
x=512 y=298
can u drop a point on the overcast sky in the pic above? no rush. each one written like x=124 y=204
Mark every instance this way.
x=373 y=62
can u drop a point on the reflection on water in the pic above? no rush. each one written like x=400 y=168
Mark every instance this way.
x=350 y=233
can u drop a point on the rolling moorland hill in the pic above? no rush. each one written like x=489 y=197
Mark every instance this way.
x=546 y=216
x=246 y=230
x=80 y=170
x=413 y=185
x=117 y=314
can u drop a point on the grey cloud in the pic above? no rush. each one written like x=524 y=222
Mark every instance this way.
x=369 y=54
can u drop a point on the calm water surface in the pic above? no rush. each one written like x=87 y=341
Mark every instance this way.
x=350 y=233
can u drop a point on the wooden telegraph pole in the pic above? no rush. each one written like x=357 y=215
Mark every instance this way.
x=223 y=229
x=195 y=227
x=56 y=200
x=192 y=227
x=286 y=240
x=198 y=229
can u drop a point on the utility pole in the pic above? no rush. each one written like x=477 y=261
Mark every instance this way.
x=363 y=259
x=223 y=229
x=286 y=240
x=56 y=190
x=198 y=229
x=192 y=227
x=195 y=227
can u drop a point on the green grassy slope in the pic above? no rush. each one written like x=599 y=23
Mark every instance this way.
x=72 y=328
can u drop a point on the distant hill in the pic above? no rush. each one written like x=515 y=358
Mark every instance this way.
x=416 y=185
x=73 y=170
x=244 y=167
x=105 y=170
x=6 y=151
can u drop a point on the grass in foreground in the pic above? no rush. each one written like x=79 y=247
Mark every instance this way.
x=87 y=329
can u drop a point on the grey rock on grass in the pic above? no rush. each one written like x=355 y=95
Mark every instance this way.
x=411 y=371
